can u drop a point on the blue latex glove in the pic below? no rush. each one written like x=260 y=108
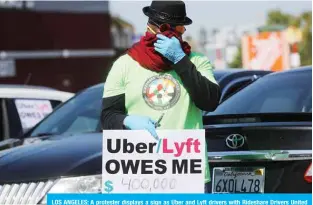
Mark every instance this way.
x=134 y=122
x=170 y=48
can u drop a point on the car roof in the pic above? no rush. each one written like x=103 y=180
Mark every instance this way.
x=25 y=86
x=33 y=92
x=303 y=69
x=306 y=69
x=223 y=73
x=235 y=70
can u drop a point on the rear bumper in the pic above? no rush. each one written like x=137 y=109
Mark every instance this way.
x=280 y=176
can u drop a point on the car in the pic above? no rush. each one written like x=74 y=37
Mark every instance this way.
x=23 y=106
x=267 y=125
x=263 y=132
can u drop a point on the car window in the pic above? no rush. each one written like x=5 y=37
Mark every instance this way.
x=55 y=103
x=235 y=88
x=25 y=113
x=277 y=93
x=14 y=121
x=79 y=114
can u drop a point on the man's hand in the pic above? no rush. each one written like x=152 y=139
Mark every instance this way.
x=170 y=48
x=134 y=122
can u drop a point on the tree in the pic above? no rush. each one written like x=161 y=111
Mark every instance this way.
x=276 y=17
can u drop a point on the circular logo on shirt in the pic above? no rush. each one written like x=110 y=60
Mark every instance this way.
x=161 y=92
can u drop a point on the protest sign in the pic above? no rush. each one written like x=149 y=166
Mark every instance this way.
x=134 y=162
x=32 y=111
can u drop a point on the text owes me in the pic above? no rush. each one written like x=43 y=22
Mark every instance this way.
x=185 y=166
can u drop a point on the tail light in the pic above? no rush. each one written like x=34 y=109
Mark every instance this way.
x=308 y=174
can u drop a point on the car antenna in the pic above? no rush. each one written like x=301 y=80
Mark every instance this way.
x=28 y=79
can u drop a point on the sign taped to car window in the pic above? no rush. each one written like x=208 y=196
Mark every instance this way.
x=134 y=162
x=32 y=111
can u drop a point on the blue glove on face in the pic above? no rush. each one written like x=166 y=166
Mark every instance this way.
x=134 y=122
x=170 y=48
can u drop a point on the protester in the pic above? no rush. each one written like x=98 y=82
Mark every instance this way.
x=159 y=83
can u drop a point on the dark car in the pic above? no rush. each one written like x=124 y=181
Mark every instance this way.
x=262 y=135
x=269 y=125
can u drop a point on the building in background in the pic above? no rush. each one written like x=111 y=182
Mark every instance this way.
x=122 y=33
x=61 y=44
x=294 y=37
x=222 y=44
x=192 y=43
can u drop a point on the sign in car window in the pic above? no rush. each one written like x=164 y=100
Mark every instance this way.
x=32 y=111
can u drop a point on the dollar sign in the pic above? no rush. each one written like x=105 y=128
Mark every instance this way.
x=108 y=186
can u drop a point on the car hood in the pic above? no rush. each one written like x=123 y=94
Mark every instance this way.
x=52 y=158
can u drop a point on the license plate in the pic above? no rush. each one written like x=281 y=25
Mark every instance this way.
x=238 y=180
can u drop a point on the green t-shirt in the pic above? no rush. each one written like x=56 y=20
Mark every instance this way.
x=151 y=94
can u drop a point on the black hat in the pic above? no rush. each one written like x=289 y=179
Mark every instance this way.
x=171 y=12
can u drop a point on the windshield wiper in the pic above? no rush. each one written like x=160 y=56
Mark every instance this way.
x=95 y=131
x=45 y=134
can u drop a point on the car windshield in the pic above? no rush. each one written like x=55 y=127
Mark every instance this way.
x=79 y=114
x=285 y=93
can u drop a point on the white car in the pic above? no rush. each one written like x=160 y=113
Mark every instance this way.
x=23 y=106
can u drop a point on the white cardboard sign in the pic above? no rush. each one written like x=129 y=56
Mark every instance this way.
x=32 y=111
x=134 y=162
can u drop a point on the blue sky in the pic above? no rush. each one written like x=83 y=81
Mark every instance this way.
x=212 y=14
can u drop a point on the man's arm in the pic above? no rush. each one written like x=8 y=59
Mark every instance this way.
x=199 y=82
x=201 y=86
x=113 y=103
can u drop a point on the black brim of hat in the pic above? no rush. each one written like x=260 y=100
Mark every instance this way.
x=187 y=20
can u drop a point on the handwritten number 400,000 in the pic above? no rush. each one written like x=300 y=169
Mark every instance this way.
x=146 y=184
